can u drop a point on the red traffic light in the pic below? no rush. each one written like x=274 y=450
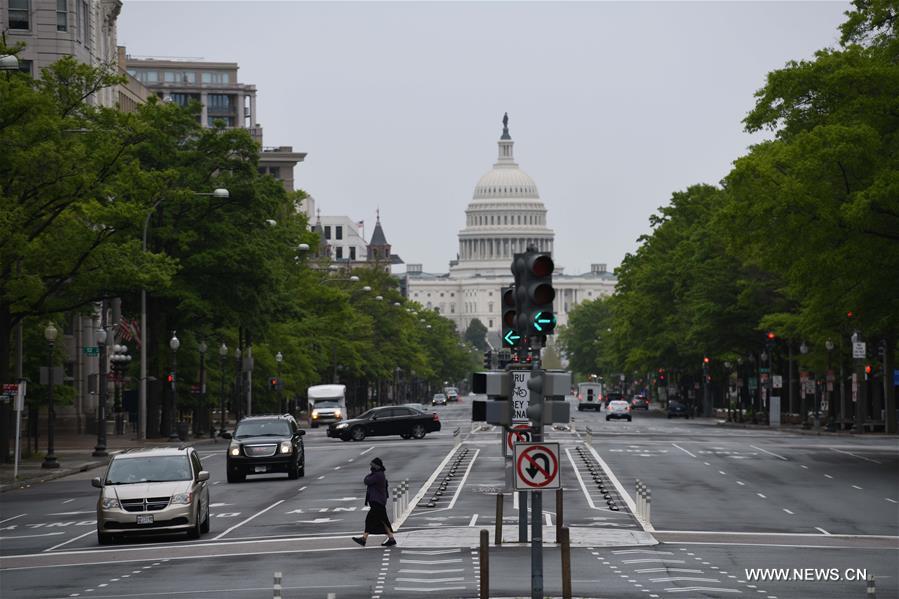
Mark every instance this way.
x=170 y=378
x=849 y=314
x=273 y=381
x=771 y=335
x=867 y=369
x=706 y=359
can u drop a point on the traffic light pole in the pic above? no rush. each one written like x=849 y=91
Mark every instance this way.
x=536 y=402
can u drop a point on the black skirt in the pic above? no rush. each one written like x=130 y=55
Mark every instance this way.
x=376 y=521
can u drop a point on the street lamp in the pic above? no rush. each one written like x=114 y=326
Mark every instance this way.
x=223 y=353
x=831 y=408
x=803 y=350
x=50 y=460
x=9 y=62
x=174 y=344
x=730 y=406
x=238 y=385
x=100 y=449
x=279 y=357
x=354 y=278
x=142 y=388
x=120 y=359
x=200 y=425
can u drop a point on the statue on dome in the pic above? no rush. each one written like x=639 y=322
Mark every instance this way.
x=506 y=121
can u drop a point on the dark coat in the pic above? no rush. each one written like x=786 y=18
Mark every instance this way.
x=377 y=488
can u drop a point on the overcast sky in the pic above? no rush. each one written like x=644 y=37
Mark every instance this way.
x=613 y=106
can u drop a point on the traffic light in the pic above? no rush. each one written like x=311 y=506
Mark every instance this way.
x=488 y=360
x=170 y=377
x=273 y=383
x=511 y=337
x=705 y=360
x=534 y=294
x=771 y=336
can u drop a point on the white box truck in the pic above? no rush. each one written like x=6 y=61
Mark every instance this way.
x=327 y=403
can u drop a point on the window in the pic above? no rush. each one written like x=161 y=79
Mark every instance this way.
x=180 y=99
x=85 y=23
x=179 y=76
x=491 y=323
x=452 y=308
x=218 y=102
x=327 y=231
x=25 y=67
x=353 y=254
x=19 y=14
x=490 y=306
x=338 y=252
x=211 y=120
x=216 y=77
x=338 y=232
x=62 y=15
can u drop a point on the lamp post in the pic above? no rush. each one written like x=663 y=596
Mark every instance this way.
x=223 y=353
x=50 y=459
x=237 y=385
x=142 y=388
x=803 y=350
x=831 y=411
x=174 y=344
x=203 y=419
x=730 y=407
x=100 y=449
x=120 y=359
x=279 y=357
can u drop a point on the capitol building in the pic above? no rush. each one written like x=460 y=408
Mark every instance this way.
x=504 y=217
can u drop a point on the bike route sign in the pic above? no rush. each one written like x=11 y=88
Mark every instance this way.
x=537 y=466
x=520 y=395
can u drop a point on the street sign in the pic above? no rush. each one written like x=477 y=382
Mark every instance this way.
x=777 y=381
x=537 y=466
x=92 y=351
x=520 y=395
x=9 y=391
x=858 y=349
x=753 y=383
x=520 y=433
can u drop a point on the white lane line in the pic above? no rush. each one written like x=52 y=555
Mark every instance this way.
x=68 y=501
x=367 y=450
x=301 y=489
x=428 y=552
x=12 y=518
x=429 y=579
x=650 y=560
x=856 y=487
x=46 y=534
x=788 y=511
x=73 y=513
x=459 y=488
x=861 y=457
x=722 y=472
x=891 y=500
x=828 y=476
x=710 y=589
x=515 y=498
x=684 y=450
x=90 y=532
x=657 y=570
x=650 y=551
x=780 y=457
x=474 y=518
x=682 y=578
x=762 y=496
x=620 y=488
x=429 y=589
x=822 y=530
x=706 y=463
x=804 y=466
x=424 y=489
x=450 y=571
x=320 y=477
x=741 y=483
x=239 y=524
x=431 y=562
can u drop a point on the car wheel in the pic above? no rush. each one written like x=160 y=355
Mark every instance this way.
x=301 y=471
x=418 y=431
x=293 y=472
x=204 y=528
x=669 y=416
x=608 y=418
x=103 y=538
x=406 y=436
x=358 y=433
x=236 y=478
x=628 y=418
x=194 y=531
x=580 y=408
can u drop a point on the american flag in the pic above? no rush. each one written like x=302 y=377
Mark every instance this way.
x=129 y=330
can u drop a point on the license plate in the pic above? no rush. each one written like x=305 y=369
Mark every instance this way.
x=261 y=468
x=145 y=518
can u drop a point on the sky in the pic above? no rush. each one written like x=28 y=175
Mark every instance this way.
x=613 y=106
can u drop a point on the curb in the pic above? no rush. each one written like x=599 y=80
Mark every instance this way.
x=801 y=431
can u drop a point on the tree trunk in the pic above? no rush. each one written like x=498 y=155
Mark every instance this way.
x=6 y=328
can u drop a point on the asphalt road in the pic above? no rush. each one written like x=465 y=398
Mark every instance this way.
x=724 y=501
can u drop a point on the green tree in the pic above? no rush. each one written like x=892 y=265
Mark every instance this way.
x=475 y=334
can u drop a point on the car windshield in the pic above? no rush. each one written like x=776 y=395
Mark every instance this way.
x=327 y=405
x=150 y=469
x=262 y=428
x=440 y=396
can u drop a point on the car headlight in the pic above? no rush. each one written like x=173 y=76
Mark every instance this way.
x=342 y=425
x=182 y=498
x=286 y=447
x=110 y=503
x=337 y=413
x=234 y=449
x=315 y=413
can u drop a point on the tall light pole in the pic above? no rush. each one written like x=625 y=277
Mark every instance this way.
x=103 y=384
x=50 y=460
x=803 y=350
x=831 y=409
x=174 y=344
x=223 y=353
x=120 y=359
x=238 y=385
x=203 y=412
x=730 y=406
x=142 y=389
x=279 y=357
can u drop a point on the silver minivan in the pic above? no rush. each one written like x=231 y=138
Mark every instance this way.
x=160 y=490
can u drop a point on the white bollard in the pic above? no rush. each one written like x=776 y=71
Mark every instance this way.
x=276 y=587
x=648 y=506
x=395 y=513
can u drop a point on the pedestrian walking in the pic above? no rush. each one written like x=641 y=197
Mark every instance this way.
x=376 y=521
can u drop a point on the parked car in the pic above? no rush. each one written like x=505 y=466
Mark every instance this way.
x=385 y=421
x=676 y=409
x=618 y=409
x=266 y=444
x=439 y=399
x=160 y=490
x=639 y=402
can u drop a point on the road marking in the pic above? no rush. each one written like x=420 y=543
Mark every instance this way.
x=450 y=571
x=621 y=490
x=73 y=513
x=722 y=472
x=428 y=590
x=706 y=463
x=367 y=450
x=762 y=496
x=822 y=530
x=12 y=518
x=474 y=518
x=691 y=589
x=430 y=579
x=239 y=524
x=68 y=501
x=549 y=521
x=90 y=532
x=320 y=477
x=336 y=467
x=681 y=578
x=46 y=534
x=788 y=511
x=622 y=551
x=804 y=466
x=861 y=457
x=684 y=450
x=857 y=487
x=301 y=489
x=655 y=570
x=828 y=476
x=741 y=483
x=891 y=500
x=780 y=457
x=429 y=552
x=431 y=562
x=424 y=488
x=647 y=560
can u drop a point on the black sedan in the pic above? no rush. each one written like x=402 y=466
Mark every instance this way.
x=676 y=408
x=388 y=420
x=266 y=444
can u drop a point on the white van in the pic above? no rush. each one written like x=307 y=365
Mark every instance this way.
x=589 y=396
x=327 y=403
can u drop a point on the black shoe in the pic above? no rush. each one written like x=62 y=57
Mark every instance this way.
x=389 y=543
x=359 y=540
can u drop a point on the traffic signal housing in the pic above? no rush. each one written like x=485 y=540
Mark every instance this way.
x=488 y=360
x=534 y=294
x=274 y=383
x=511 y=336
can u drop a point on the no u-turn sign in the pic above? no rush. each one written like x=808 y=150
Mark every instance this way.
x=537 y=466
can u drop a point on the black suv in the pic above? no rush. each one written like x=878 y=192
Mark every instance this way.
x=265 y=444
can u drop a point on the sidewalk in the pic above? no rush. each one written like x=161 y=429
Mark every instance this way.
x=73 y=452
x=799 y=430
